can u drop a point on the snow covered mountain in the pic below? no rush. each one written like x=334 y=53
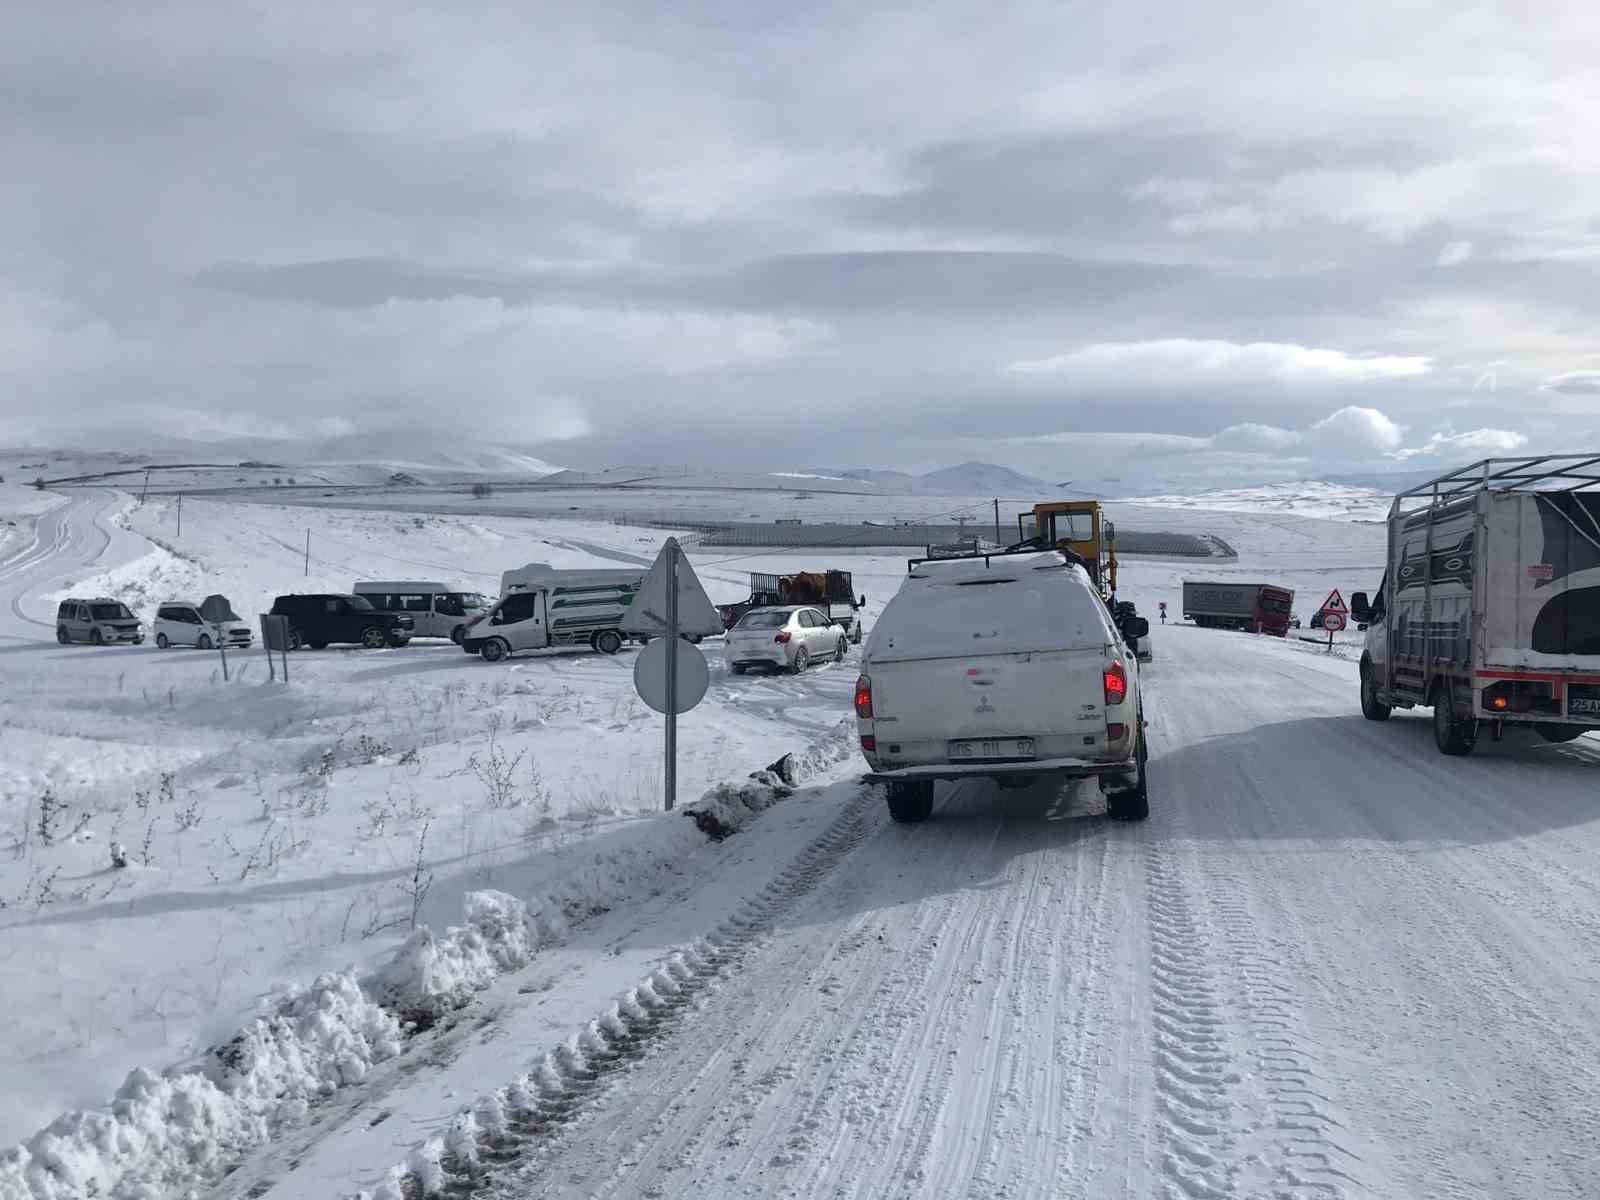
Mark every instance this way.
x=966 y=479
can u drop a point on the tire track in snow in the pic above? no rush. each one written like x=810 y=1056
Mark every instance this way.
x=505 y=1126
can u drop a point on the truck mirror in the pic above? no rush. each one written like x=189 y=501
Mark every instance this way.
x=861 y=603
x=1360 y=607
x=1134 y=628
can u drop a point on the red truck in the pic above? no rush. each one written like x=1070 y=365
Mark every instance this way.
x=1252 y=607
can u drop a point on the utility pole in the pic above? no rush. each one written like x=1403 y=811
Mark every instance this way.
x=997 y=540
x=146 y=487
x=308 y=553
x=180 y=514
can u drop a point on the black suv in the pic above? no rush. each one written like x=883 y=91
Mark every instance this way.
x=319 y=621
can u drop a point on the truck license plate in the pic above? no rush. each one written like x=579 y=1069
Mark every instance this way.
x=991 y=749
x=1583 y=700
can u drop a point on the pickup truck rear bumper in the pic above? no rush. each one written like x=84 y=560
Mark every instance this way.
x=1071 y=768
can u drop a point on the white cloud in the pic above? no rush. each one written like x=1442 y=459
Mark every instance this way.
x=1362 y=430
x=1573 y=383
x=1485 y=442
x=1264 y=439
x=1455 y=253
x=1206 y=362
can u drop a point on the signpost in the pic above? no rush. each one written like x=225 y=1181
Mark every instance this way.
x=1334 y=613
x=275 y=636
x=670 y=675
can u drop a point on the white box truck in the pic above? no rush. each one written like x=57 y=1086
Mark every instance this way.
x=1489 y=610
x=541 y=606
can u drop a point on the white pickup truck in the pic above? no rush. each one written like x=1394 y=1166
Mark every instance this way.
x=1006 y=667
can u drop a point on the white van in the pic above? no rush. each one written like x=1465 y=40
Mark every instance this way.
x=1005 y=667
x=436 y=609
x=181 y=623
x=541 y=606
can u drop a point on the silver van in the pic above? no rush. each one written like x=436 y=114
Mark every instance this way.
x=100 y=621
x=436 y=609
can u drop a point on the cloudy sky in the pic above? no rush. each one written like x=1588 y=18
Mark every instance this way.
x=1211 y=241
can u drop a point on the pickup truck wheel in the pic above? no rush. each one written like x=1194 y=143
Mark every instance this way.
x=1133 y=804
x=373 y=638
x=1552 y=732
x=1453 y=735
x=608 y=641
x=493 y=650
x=1371 y=707
x=910 y=803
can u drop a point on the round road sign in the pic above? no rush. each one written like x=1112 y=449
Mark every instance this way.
x=1333 y=622
x=650 y=675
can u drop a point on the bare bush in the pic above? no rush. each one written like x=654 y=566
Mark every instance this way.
x=371 y=749
x=497 y=772
x=51 y=810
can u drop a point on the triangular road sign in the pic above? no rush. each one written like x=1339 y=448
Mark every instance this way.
x=1334 y=603
x=697 y=617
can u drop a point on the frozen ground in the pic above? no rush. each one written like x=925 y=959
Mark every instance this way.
x=1326 y=501
x=1332 y=964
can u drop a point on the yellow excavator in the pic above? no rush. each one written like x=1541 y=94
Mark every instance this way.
x=1079 y=526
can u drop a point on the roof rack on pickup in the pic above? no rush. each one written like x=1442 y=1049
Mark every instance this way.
x=1009 y=552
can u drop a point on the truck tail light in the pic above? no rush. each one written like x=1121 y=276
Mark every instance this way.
x=869 y=743
x=864 y=698
x=782 y=637
x=1116 y=684
x=1116 y=731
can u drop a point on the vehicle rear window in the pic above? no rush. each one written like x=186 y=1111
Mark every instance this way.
x=1008 y=611
x=763 y=620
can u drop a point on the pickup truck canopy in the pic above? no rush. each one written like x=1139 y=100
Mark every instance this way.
x=1006 y=604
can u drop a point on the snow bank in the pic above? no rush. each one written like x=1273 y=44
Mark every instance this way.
x=429 y=976
x=164 y=1133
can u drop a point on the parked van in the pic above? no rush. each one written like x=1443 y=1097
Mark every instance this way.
x=436 y=609
x=540 y=606
x=99 y=621
x=179 y=623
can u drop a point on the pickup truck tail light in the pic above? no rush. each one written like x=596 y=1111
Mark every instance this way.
x=864 y=698
x=1116 y=731
x=869 y=743
x=1116 y=684
x=783 y=637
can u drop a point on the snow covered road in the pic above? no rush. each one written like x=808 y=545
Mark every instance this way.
x=73 y=537
x=1333 y=963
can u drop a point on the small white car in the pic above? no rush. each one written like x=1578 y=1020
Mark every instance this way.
x=179 y=623
x=784 y=639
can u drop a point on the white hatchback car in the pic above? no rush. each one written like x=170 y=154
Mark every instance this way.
x=786 y=639
x=179 y=623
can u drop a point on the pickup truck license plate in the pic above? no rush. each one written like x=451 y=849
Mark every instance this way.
x=991 y=749
x=1583 y=700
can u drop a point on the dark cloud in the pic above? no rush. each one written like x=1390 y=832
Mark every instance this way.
x=645 y=230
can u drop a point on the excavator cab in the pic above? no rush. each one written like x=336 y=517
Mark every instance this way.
x=1078 y=526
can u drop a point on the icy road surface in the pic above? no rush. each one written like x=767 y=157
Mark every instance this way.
x=1334 y=963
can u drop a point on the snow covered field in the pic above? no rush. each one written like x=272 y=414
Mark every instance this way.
x=1333 y=963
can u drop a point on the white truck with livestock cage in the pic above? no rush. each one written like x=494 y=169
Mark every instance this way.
x=1489 y=610
x=541 y=606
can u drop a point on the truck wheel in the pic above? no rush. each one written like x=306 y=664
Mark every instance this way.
x=494 y=650
x=373 y=638
x=1551 y=732
x=910 y=803
x=1453 y=735
x=1371 y=708
x=608 y=641
x=1132 y=804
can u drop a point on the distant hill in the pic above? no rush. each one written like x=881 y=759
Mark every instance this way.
x=967 y=479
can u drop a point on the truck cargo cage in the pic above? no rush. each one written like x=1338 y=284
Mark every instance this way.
x=1549 y=473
